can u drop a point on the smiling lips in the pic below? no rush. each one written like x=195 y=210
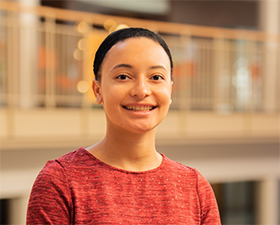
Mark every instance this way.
x=144 y=108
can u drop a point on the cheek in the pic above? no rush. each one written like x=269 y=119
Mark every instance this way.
x=164 y=100
x=112 y=96
x=165 y=94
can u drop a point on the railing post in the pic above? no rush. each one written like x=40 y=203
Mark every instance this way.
x=222 y=97
x=270 y=22
x=50 y=100
x=270 y=76
x=87 y=76
x=184 y=81
x=218 y=67
x=12 y=71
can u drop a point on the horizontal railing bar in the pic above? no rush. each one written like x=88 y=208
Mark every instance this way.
x=162 y=27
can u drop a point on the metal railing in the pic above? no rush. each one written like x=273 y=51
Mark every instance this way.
x=46 y=60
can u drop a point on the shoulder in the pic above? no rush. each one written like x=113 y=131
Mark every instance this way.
x=177 y=167
x=191 y=174
x=74 y=159
x=202 y=189
x=58 y=167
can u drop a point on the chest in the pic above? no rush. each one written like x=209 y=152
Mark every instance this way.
x=156 y=200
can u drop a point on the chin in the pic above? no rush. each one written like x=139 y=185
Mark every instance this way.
x=142 y=129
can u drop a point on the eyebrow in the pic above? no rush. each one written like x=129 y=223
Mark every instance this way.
x=158 y=67
x=130 y=67
x=122 y=65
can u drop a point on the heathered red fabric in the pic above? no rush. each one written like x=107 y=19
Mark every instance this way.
x=77 y=188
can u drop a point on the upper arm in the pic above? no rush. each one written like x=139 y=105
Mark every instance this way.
x=50 y=198
x=208 y=204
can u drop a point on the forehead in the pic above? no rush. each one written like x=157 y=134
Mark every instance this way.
x=137 y=48
x=131 y=43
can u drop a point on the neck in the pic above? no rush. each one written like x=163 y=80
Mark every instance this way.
x=128 y=151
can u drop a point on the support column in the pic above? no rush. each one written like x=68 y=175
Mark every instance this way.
x=18 y=209
x=269 y=21
x=268 y=205
x=27 y=56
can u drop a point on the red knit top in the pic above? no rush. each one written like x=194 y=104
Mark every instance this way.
x=77 y=188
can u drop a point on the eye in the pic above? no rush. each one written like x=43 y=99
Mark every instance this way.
x=122 y=77
x=157 y=77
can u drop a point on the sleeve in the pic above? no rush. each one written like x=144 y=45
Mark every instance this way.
x=209 y=208
x=50 y=198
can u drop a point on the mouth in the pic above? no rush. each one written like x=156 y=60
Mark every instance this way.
x=144 y=108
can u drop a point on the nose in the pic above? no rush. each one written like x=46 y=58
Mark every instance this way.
x=140 y=88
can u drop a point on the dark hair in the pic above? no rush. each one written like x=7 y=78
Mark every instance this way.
x=121 y=35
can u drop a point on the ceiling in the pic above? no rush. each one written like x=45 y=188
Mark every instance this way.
x=159 y=7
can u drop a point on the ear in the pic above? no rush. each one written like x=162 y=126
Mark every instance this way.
x=171 y=87
x=96 y=87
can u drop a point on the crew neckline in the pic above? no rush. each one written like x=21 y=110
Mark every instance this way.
x=123 y=170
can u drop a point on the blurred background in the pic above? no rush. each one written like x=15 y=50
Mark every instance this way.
x=224 y=119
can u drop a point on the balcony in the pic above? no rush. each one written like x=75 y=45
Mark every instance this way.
x=226 y=82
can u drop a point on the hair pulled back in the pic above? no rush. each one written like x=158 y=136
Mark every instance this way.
x=121 y=35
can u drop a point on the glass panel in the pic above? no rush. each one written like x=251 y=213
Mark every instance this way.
x=236 y=202
x=4 y=211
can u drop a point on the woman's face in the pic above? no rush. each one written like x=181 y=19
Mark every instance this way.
x=135 y=85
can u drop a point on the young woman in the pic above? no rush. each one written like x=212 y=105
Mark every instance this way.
x=123 y=179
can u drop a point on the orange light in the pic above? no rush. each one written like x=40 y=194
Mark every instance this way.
x=82 y=86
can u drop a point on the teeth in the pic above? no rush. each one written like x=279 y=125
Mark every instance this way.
x=139 y=108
